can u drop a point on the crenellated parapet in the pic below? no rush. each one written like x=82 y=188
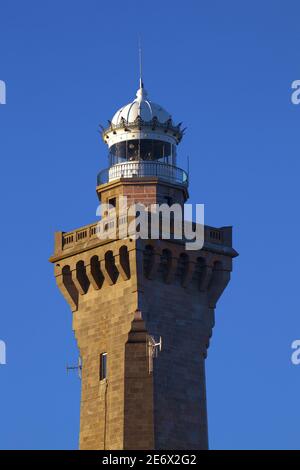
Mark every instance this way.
x=85 y=264
x=69 y=243
x=82 y=272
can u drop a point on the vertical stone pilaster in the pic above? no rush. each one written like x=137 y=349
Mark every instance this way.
x=138 y=411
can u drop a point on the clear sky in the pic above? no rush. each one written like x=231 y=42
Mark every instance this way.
x=223 y=68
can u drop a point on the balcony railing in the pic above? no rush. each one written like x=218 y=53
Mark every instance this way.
x=90 y=233
x=141 y=169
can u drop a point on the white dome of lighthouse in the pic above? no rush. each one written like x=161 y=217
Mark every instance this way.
x=141 y=107
x=141 y=119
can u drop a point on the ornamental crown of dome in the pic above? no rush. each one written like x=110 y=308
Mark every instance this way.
x=141 y=107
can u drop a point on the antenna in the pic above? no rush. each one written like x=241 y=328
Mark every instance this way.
x=154 y=347
x=78 y=368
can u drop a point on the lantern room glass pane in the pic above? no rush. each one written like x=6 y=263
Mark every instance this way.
x=143 y=149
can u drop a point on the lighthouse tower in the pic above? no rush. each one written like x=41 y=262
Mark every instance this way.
x=143 y=309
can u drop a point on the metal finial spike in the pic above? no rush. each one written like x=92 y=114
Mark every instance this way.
x=140 y=63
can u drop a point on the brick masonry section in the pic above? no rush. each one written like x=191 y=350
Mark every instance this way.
x=146 y=192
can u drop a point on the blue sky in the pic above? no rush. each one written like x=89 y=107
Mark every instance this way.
x=223 y=68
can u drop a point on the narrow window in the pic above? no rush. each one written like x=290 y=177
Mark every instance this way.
x=103 y=366
x=112 y=202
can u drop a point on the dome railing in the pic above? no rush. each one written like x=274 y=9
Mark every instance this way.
x=142 y=169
